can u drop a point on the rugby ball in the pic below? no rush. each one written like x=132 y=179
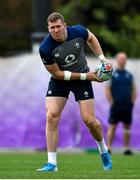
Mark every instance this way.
x=104 y=71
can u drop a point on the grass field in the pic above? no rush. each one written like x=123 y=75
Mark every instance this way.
x=76 y=166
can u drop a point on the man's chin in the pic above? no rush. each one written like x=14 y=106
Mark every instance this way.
x=58 y=39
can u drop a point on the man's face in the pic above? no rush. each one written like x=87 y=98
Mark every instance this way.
x=58 y=30
x=121 y=60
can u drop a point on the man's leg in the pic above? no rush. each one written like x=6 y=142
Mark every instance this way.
x=54 y=107
x=87 y=112
x=127 y=136
x=110 y=135
x=95 y=127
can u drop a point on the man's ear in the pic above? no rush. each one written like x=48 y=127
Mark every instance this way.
x=48 y=28
x=65 y=24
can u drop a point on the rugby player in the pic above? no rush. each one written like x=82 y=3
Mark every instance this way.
x=62 y=52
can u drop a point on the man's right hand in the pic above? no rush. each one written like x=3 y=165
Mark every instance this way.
x=91 y=76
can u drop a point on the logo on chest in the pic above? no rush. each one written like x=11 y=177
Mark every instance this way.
x=77 y=45
x=69 y=58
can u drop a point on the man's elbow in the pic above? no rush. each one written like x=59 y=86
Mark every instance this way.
x=58 y=75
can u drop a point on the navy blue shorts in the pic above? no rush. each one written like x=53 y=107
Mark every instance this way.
x=82 y=90
x=121 y=113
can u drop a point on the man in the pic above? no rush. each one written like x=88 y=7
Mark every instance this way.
x=62 y=52
x=121 y=93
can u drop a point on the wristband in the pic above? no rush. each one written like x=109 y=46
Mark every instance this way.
x=67 y=75
x=83 y=76
x=101 y=57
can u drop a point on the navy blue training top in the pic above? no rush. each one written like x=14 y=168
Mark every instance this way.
x=69 y=55
x=121 y=87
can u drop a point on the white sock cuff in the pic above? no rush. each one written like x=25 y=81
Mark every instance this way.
x=52 y=157
x=102 y=146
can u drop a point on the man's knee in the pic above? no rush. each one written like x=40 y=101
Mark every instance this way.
x=87 y=118
x=96 y=123
x=112 y=128
x=91 y=121
x=126 y=128
x=53 y=117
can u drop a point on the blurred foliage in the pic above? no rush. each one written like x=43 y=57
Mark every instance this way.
x=15 y=25
x=115 y=23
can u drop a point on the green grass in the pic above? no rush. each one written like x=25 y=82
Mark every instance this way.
x=76 y=166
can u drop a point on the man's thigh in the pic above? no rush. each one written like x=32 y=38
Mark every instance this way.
x=115 y=115
x=87 y=107
x=82 y=90
x=55 y=104
x=122 y=114
x=127 y=116
x=58 y=88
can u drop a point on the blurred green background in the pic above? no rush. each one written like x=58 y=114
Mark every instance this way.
x=115 y=23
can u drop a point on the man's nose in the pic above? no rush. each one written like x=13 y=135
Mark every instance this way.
x=56 y=29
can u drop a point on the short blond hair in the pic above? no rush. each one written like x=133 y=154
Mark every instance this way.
x=55 y=16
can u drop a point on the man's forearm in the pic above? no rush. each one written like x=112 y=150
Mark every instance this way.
x=62 y=75
x=108 y=95
x=134 y=94
x=67 y=75
x=94 y=45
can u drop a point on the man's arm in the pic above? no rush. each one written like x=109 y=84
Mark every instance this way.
x=108 y=93
x=59 y=74
x=94 y=44
x=134 y=94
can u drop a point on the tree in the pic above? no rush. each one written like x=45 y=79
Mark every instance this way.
x=15 y=25
x=116 y=24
